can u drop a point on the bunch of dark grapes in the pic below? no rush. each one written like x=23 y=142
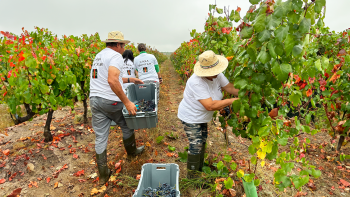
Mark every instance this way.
x=145 y=106
x=226 y=111
x=164 y=190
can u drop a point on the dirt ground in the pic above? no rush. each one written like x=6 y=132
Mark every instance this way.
x=66 y=166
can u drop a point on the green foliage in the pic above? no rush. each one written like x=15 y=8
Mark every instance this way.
x=183 y=156
x=171 y=148
x=159 y=139
x=278 y=57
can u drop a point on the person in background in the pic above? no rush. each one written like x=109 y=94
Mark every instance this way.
x=107 y=99
x=203 y=96
x=147 y=67
x=128 y=69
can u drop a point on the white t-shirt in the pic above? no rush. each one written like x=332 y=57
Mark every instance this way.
x=199 y=88
x=128 y=71
x=144 y=64
x=99 y=85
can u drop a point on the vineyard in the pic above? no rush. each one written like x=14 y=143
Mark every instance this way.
x=287 y=134
x=290 y=71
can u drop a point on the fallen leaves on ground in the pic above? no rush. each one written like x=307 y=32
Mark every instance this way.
x=92 y=176
x=118 y=166
x=96 y=191
x=33 y=183
x=138 y=177
x=15 y=192
x=79 y=173
x=2 y=181
x=6 y=152
x=345 y=183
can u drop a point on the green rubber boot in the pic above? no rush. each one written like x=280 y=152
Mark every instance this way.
x=130 y=146
x=193 y=164
x=202 y=157
x=105 y=173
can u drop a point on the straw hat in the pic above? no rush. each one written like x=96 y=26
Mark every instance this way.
x=116 y=36
x=210 y=64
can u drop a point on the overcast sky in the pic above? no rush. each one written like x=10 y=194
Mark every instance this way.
x=162 y=24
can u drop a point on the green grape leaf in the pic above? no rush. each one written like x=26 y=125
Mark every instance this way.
x=227 y=158
x=305 y=25
x=259 y=24
x=234 y=16
x=272 y=22
x=240 y=173
x=264 y=131
x=281 y=71
x=220 y=165
x=233 y=166
x=297 y=49
x=240 y=83
x=220 y=11
x=282 y=141
x=280 y=175
x=183 y=156
x=281 y=33
x=228 y=183
x=254 y=1
x=289 y=44
x=264 y=35
x=271 y=47
x=253 y=160
x=246 y=32
x=206 y=169
x=171 y=148
x=252 y=53
x=257 y=182
x=295 y=98
x=252 y=150
x=316 y=173
x=159 y=139
x=319 y=5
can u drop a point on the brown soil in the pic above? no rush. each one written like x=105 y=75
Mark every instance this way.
x=26 y=146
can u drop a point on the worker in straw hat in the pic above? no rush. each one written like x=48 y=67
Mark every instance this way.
x=203 y=96
x=107 y=99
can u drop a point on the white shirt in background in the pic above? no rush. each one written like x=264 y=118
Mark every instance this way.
x=199 y=88
x=128 y=71
x=144 y=64
x=99 y=85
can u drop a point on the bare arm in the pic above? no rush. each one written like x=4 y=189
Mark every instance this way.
x=212 y=105
x=113 y=80
x=230 y=89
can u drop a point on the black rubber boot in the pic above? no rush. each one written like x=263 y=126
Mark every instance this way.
x=193 y=164
x=130 y=146
x=105 y=173
x=201 y=164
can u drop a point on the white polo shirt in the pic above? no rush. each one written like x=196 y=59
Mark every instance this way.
x=199 y=88
x=144 y=64
x=128 y=71
x=99 y=85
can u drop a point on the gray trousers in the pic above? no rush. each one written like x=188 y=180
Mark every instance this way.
x=103 y=112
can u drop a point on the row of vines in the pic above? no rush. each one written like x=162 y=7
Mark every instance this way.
x=287 y=65
x=40 y=72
